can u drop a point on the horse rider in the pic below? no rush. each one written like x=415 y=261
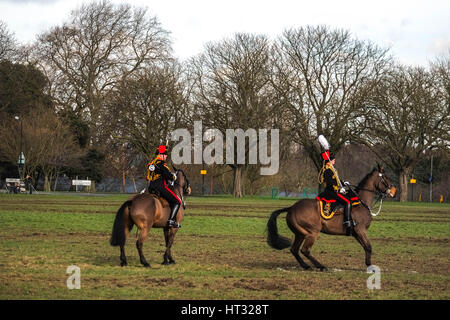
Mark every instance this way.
x=158 y=174
x=336 y=189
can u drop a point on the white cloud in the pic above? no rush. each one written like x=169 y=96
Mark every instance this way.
x=440 y=45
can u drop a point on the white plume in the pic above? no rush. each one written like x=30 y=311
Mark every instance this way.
x=324 y=143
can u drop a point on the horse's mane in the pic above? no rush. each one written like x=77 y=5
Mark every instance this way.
x=184 y=175
x=362 y=183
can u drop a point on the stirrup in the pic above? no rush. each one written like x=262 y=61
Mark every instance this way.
x=349 y=223
x=173 y=224
x=349 y=227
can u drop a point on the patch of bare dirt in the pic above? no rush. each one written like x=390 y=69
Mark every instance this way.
x=262 y=284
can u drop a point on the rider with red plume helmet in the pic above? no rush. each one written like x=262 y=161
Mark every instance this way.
x=335 y=189
x=158 y=174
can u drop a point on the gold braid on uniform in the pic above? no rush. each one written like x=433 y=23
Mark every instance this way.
x=148 y=171
x=320 y=176
x=155 y=159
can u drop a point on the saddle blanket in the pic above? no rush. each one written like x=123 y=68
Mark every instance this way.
x=329 y=207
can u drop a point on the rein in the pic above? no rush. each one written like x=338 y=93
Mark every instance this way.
x=184 y=189
x=380 y=199
x=380 y=196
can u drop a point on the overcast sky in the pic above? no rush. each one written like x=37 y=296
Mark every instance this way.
x=415 y=30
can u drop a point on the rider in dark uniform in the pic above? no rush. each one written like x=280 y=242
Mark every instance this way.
x=160 y=177
x=336 y=189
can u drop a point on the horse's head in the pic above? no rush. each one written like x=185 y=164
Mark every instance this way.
x=382 y=183
x=183 y=181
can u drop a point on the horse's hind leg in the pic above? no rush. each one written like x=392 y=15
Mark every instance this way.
x=306 y=250
x=123 y=257
x=140 y=243
x=128 y=225
x=294 y=250
x=169 y=235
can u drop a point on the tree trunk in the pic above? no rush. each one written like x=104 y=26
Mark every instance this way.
x=286 y=192
x=237 y=186
x=93 y=189
x=56 y=182
x=123 y=172
x=211 y=185
x=46 y=183
x=403 y=184
x=124 y=182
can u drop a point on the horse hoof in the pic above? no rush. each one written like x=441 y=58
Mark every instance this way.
x=123 y=264
x=323 y=269
x=147 y=265
x=165 y=263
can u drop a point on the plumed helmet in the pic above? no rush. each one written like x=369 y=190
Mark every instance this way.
x=161 y=150
x=328 y=155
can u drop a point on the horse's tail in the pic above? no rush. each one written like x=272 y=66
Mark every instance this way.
x=118 y=231
x=273 y=238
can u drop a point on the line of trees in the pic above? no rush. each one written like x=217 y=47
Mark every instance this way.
x=100 y=92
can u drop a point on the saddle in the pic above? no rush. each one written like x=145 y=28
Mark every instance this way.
x=155 y=194
x=330 y=207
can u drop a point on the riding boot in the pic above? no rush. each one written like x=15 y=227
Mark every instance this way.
x=348 y=221
x=173 y=213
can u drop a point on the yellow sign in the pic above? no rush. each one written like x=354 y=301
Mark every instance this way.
x=202 y=171
x=412 y=181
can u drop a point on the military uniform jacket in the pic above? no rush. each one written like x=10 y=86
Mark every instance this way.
x=330 y=178
x=332 y=185
x=158 y=169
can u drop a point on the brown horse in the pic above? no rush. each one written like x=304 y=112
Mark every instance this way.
x=305 y=221
x=147 y=211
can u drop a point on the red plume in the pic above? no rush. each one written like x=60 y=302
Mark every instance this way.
x=162 y=149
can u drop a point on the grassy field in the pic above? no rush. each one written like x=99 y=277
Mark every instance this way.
x=221 y=253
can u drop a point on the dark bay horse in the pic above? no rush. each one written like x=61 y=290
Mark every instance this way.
x=305 y=221
x=146 y=211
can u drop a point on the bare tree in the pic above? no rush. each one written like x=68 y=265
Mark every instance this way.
x=232 y=89
x=8 y=43
x=318 y=75
x=48 y=144
x=406 y=116
x=100 y=46
x=144 y=110
x=441 y=72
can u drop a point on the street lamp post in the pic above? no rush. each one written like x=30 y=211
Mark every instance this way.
x=21 y=161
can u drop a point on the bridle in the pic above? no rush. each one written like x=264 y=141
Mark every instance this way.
x=381 y=195
x=377 y=190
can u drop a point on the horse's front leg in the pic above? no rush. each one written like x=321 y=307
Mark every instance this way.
x=361 y=236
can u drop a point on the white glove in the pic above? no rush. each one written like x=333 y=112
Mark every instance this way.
x=346 y=183
x=174 y=176
x=343 y=191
